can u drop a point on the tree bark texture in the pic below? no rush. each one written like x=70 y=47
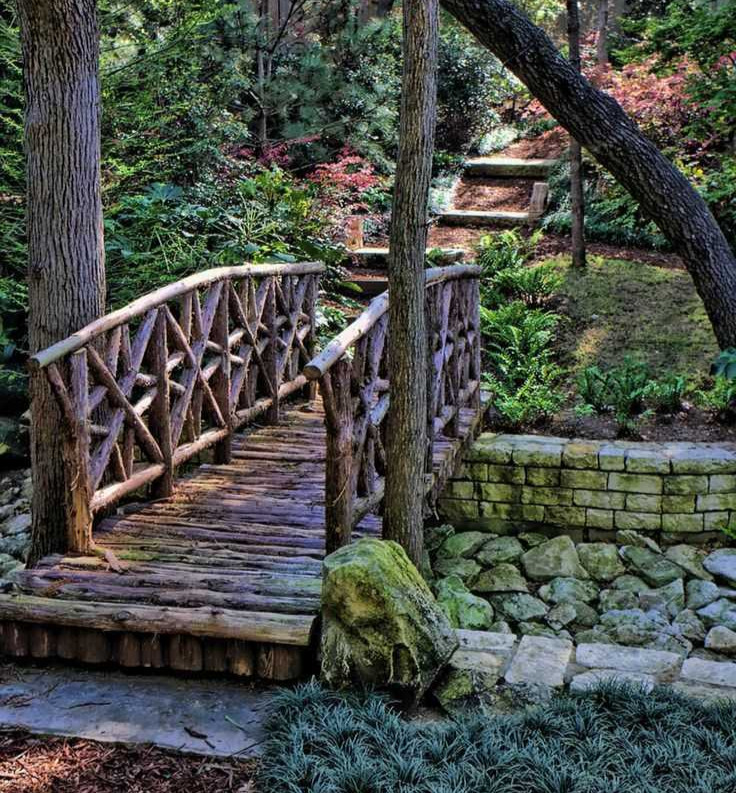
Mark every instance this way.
x=407 y=342
x=577 y=201
x=600 y=124
x=66 y=271
x=601 y=44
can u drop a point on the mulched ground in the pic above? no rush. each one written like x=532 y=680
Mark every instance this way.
x=556 y=244
x=58 y=765
x=548 y=146
x=511 y=195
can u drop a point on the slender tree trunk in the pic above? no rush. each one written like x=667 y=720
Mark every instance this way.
x=577 y=203
x=601 y=44
x=66 y=271
x=407 y=343
x=599 y=124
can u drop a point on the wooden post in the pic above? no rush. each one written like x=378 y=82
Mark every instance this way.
x=310 y=342
x=453 y=363
x=76 y=458
x=432 y=319
x=221 y=379
x=160 y=415
x=339 y=486
x=271 y=353
x=354 y=233
x=473 y=285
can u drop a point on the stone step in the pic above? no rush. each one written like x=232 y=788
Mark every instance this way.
x=508 y=166
x=479 y=217
x=377 y=257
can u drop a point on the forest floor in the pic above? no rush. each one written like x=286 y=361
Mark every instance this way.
x=32 y=764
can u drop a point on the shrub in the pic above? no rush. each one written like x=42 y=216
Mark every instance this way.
x=527 y=403
x=667 y=396
x=532 y=285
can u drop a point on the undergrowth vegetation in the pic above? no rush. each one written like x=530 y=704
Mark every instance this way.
x=617 y=739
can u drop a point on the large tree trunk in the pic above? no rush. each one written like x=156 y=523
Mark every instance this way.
x=599 y=124
x=577 y=205
x=66 y=273
x=407 y=343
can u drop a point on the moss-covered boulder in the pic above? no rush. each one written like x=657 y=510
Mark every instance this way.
x=463 y=609
x=381 y=625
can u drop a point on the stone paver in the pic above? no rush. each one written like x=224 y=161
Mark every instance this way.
x=540 y=660
x=486 y=641
x=628 y=659
x=217 y=718
x=710 y=672
x=587 y=680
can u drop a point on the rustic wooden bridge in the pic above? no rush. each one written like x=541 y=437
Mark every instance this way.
x=213 y=458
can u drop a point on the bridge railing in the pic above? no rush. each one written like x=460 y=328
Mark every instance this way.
x=353 y=376
x=147 y=387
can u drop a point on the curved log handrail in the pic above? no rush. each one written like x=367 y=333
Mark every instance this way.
x=332 y=353
x=146 y=388
x=356 y=393
x=163 y=295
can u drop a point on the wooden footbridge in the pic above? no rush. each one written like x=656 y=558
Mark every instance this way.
x=213 y=456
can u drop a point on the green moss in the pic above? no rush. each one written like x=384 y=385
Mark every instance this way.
x=650 y=312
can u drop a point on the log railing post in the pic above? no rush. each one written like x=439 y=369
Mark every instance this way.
x=271 y=353
x=76 y=455
x=339 y=484
x=432 y=314
x=160 y=415
x=310 y=342
x=474 y=339
x=221 y=379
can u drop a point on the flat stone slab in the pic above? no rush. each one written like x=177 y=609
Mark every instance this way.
x=540 y=659
x=714 y=673
x=216 y=718
x=628 y=659
x=706 y=693
x=486 y=641
x=587 y=680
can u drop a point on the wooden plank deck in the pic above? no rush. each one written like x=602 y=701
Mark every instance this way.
x=224 y=576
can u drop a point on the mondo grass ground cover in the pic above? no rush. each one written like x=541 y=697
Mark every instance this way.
x=615 y=739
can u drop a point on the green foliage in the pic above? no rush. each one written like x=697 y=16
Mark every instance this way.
x=532 y=285
x=666 y=396
x=615 y=739
x=725 y=364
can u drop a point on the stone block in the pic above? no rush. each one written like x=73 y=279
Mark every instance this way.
x=490 y=509
x=635 y=483
x=486 y=641
x=505 y=474
x=714 y=673
x=705 y=693
x=458 y=489
x=540 y=659
x=599 y=518
x=640 y=502
x=548 y=496
x=646 y=521
x=542 y=453
x=704 y=459
x=599 y=499
x=453 y=509
x=715 y=521
x=722 y=483
x=685 y=485
x=678 y=503
x=565 y=516
x=490 y=448
x=647 y=461
x=715 y=502
x=588 y=480
x=508 y=494
x=580 y=454
x=477 y=472
x=682 y=523
x=543 y=477
x=611 y=458
x=628 y=659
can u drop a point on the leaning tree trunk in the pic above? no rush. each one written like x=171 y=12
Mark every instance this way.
x=577 y=205
x=66 y=273
x=407 y=344
x=599 y=124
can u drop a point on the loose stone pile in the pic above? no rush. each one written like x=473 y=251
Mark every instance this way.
x=15 y=522
x=500 y=670
x=681 y=600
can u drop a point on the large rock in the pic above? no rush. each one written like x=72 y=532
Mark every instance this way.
x=503 y=577
x=566 y=590
x=463 y=609
x=720 y=612
x=519 y=607
x=701 y=593
x=501 y=549
x=690 y=559
x=601 y=560
x=654 y=568
x=721 y=640
x=722 y=564
x=463 y=545
x=466 y=569
x=668 y=600
x=381 y=626
x=552 y=559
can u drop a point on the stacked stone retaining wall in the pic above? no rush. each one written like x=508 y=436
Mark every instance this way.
x=676 y=492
